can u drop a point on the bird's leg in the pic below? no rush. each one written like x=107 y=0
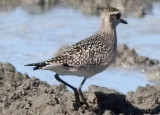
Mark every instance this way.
x=73 y=88
x=80 y=92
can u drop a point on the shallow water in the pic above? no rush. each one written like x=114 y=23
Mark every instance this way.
x=27 y=38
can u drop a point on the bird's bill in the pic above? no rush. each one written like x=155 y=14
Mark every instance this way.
x=123 y=21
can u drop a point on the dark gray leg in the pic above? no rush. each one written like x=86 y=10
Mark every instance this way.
x=73 y=88
x=80 y=92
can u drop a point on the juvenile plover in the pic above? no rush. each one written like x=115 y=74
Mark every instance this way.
x=89 y=56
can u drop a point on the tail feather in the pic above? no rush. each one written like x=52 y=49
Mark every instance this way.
x=37 y=65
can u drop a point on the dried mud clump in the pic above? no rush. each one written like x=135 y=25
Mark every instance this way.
x=136 y=8
x=146 y=98
x=154 y=74
x=129 y=57
x=22 y=95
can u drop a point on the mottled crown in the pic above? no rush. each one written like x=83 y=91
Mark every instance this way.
x=111 y=9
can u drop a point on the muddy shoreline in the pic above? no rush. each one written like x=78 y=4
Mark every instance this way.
x=21 y=94
x=136 y=8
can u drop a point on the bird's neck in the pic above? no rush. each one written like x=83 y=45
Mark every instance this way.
x=108 y=30
x=110 y=33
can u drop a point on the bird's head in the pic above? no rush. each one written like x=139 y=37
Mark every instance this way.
x=111 y=17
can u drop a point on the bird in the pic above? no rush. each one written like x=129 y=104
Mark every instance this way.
x=89 y=56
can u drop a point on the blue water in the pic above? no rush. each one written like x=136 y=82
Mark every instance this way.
x=27 y=38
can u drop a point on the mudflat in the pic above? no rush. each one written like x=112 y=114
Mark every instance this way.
x=21 y=94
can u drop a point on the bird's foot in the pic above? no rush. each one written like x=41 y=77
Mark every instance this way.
x=83 y=98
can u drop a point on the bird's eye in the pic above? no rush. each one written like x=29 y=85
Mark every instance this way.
x=118 y=16
x=115 y=16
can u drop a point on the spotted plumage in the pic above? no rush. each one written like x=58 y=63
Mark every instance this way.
x=89 y=56
x=86 y=54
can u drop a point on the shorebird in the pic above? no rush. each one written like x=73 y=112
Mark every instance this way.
x=89 y=56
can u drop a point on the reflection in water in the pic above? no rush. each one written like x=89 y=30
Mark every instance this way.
x=27 y=38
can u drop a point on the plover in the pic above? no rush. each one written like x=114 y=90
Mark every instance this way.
x=89 y=56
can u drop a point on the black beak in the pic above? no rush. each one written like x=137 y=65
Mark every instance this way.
x=123 y=21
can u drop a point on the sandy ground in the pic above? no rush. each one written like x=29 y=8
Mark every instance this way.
x=22 y=95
